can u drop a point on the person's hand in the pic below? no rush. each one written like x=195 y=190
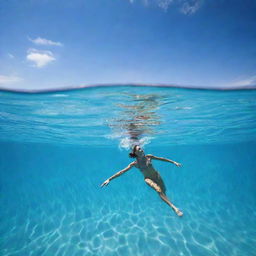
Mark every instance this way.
x=105 y=183
x=178 y=164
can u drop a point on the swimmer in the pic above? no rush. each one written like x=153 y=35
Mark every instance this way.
x=151 y=176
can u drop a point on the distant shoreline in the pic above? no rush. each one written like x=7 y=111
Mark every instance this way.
x=72 y=88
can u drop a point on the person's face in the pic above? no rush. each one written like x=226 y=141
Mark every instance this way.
x=138 y=151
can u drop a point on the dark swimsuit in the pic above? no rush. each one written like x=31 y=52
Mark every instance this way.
x=157 y=179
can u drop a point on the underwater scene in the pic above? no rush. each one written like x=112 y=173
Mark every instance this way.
x=57 y=148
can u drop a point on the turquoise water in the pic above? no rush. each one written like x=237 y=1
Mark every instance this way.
x=57 y=148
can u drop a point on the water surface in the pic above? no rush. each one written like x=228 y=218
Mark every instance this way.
x=57 y=148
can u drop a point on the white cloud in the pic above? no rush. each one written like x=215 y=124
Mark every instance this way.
x=190 y=6
x=249 y=81
x=164 y=4
x=9 y=79
x=43 y=41
x=10 y=56
x=187 y=7
x=40 y=58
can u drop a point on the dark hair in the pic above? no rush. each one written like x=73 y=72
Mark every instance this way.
x=132 y=154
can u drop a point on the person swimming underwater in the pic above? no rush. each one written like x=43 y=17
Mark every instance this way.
x=151 y=176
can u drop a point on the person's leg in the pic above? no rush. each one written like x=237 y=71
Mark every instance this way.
x=166 y=200
x=158 y=189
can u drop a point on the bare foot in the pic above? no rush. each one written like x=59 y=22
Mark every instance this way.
x=179 y=213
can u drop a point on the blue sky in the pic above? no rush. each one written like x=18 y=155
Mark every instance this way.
x=53 y=43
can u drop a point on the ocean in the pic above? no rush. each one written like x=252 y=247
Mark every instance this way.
x=56 y=149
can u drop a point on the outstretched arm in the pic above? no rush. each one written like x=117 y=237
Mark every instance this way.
x=164 y=159
x=105 y=183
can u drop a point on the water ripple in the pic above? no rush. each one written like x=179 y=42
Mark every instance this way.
x=100 y=116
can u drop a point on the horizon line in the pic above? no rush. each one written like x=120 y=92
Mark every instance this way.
x=102 y=85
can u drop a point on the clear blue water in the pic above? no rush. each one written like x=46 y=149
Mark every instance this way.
x=57 y=148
